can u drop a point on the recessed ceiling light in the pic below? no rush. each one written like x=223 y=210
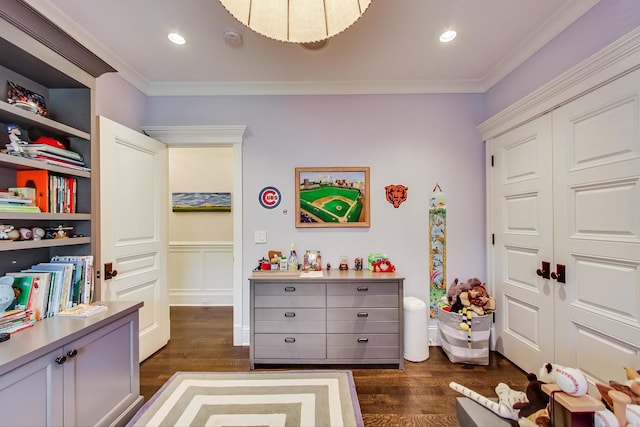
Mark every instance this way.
x=176 y=38
x=447 y=36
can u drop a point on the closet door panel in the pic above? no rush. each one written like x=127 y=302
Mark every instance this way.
x=522 y=223
x=597 y=229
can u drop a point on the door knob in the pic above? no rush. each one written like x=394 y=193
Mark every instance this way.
x=544 y=271
x=109 y=272
x=559 y=274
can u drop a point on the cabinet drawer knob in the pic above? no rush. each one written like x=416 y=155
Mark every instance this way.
x=61 y=359
x=363 y=288
x=363 y=314
x=290 y=289
x=289 y=314
x=363 y=340
x=72 y=353
x=289 y=340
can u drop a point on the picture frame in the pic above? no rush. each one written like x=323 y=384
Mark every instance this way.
x=201 y=202
x=332 y=197
x=26 y=99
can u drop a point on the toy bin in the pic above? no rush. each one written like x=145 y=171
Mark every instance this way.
x=457 y=344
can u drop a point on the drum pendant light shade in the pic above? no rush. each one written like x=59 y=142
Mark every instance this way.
x=297 y=21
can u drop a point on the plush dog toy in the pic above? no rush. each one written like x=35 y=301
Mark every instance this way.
x=536 y=398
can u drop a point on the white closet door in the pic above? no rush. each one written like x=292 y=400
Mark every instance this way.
x=597 y=229
x=521 y=219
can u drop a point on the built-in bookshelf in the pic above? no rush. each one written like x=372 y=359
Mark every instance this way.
x=40 y=58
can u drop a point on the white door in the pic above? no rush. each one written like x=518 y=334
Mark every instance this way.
x=133 y=226
x=597 y=229
x=522 y=224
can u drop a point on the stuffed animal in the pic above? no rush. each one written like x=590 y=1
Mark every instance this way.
x=536 y=398
x=507 y=397
x=458 y=287
x=540 y=418
x=477 y=299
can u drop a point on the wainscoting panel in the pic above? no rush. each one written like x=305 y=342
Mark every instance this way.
x=200 y=273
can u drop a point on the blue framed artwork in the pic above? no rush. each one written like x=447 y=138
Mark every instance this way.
x=201 y=202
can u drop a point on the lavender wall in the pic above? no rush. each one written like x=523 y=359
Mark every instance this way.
x=119 y=101
x=603 y=24
x=414 y=140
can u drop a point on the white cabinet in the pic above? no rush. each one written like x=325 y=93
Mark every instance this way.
x=563 y=208
x=73 y=372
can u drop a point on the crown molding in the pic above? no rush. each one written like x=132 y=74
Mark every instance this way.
x=617 y=59
x=197 y=136
x=313 y=88
x=543 y=35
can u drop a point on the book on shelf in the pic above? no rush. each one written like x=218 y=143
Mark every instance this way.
x=83 y=310
x=57 y=288
x=18 y=208
x=22 y=287
x=39 y=291
x=46 y=148
x=54 y=194
x=84 y=279
x=25 y=193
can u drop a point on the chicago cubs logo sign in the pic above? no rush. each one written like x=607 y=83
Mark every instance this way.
x=269 y=197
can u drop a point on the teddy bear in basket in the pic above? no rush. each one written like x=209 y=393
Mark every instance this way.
x=473 y=295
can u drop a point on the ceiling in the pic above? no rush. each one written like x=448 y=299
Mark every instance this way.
x=393 y=48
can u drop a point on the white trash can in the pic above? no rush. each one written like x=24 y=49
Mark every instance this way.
x=416 y=340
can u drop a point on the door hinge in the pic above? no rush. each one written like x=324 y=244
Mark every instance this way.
x=492 y=160
x=97 y=274
x=493 y=239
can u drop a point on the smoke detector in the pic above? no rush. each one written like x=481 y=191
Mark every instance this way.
x=232 y=37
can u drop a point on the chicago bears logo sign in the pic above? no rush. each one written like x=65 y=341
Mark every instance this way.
x=396 y=194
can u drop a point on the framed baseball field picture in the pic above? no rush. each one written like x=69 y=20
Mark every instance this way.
x=332 y=197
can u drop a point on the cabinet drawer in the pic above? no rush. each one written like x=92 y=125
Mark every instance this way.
x=373 y=320
x=274 y=320
x=290 y=346
x=290 y=295
x=362 y=295
x=358 y=346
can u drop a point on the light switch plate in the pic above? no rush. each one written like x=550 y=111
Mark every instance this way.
x=260 y=237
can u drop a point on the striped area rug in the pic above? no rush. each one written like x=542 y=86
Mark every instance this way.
x=277 y=398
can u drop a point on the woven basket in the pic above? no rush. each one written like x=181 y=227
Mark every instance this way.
x=456 y=343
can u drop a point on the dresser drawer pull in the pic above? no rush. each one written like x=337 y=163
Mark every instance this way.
x=363 y=339
x=289 y=314
x=363 y=314
x=290 y=289
x=289 y=340
x=363 y=288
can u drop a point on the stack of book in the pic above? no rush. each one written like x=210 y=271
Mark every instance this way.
x=49 y=288
x=15 y=320
x=55 y=156
x=13 y=201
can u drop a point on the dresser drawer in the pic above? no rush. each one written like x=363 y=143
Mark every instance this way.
x=359 y=320
x=290 y=346
x=362 y=295
x=363 y=346
x=279 y=320
x=306 y=295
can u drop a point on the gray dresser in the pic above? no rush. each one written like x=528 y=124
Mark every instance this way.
x=344 y=317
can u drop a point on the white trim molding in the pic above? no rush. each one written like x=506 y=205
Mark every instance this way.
x=190 y=136
x=218 y=136
x=619 y=58
x=200 y=273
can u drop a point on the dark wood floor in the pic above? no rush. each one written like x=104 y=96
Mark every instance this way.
x=418 y=395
